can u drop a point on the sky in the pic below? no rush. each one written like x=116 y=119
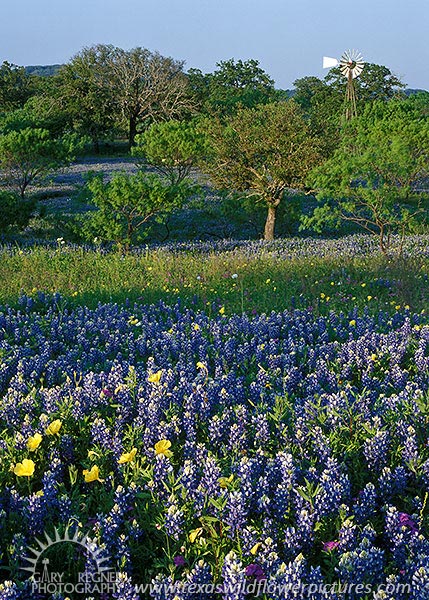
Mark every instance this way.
x=287 y=37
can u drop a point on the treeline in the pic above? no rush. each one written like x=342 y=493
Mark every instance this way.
x=253 y=140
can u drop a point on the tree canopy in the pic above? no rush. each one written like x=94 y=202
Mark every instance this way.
x=374 y=178
x=263 y=151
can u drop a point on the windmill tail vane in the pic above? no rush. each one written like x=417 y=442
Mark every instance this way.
x=351 y=65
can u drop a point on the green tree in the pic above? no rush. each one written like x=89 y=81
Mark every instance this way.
x=263 y=152
x=15 y=212
x=83 y=92
x=128 y=203
x=376 y=82
x=29 y=155
x=233 y=85
x=172 y=148
x=374 y=178
x=323 y=100
x=16 y=87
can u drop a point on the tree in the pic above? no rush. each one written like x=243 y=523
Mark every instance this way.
x=31 y=154
x=128 y=203
x=263 y=151
x=172 y=148
x=83 y=91
x=16 y=87
x=15 y=212
x=233 y=85
x=148 y=88
x=376 y=82
x=323 y=100
x=374 y=177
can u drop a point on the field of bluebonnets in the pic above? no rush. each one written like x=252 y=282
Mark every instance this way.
x=196 y=436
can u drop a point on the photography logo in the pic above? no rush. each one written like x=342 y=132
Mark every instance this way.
x=99 y=579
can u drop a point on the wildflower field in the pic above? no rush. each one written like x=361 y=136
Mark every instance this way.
x=227 y=415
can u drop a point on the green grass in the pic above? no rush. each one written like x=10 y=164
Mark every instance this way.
x=201 y=281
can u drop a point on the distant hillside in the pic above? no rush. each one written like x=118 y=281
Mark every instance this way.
x=42 y=70
x=411 y=92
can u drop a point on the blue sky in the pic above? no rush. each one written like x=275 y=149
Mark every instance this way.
x=288 y=37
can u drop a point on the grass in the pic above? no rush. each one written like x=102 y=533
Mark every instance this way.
x=212 y=281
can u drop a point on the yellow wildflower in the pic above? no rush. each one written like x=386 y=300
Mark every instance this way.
x=352 y=323
x=162 y=447
x=53 y=427
x=155 y=377
x=92 y=475
x=224 y=481
x=222 y=310
x=34 y=442
x=24 y=469
x=255 y=548
x=194 y=534
x=127 y=456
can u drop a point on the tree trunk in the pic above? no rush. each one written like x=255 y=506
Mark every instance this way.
x=270 y=223
x=132 y=131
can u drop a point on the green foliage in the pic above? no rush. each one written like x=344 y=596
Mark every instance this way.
x=84 y=92
x=233 y=85
x=16 y=87
x=172 y=148
x=127 y=204
x=323 y=100
x=263 y=152
x=29 y=155
x=374 y=177
x=15 y=212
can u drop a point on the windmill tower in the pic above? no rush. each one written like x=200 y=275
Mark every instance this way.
x=351 y=66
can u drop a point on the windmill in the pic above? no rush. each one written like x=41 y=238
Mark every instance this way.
x=351 y=66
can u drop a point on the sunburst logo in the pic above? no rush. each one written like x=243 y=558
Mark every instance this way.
x=46 y=581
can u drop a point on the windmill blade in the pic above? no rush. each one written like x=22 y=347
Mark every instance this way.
x=351 y=63
x=329 y=62
x=357 y=71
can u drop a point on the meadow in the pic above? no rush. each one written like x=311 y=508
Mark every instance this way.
x=225 y=413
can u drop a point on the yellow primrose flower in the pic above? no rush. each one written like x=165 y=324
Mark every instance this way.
x=222 y=310
x=373 y=357
x=155 y=377
x=369 y=297
x=255 y=548
x=352 y=323
x=127 y=456
x=224 y=481
x=398 y=306
x=201 y=365
x=92 y=475
x=53 y=427
x=162 y=447
x=34 y=442
x=194 y=534
x=24 y=469
x=195 y=327
x=363 y=284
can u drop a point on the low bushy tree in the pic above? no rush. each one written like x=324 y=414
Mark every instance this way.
x=30 y=154
x=127 y=204
x=15 y=212
x=171 y=148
